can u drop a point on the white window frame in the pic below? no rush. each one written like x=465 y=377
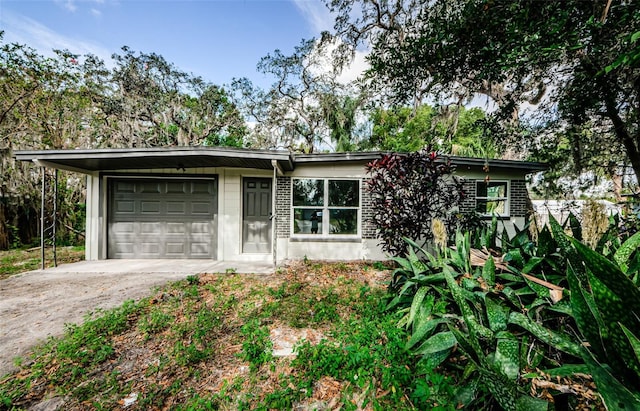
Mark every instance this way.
x=507 y=206
x=326 y=234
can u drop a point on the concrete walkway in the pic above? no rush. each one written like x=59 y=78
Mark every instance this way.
x=186 y=267
x=37 y=304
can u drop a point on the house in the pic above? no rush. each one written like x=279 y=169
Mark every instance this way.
x=250 y=205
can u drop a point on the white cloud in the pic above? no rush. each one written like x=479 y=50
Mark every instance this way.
x=24 y=30
x=316 y=13
x=356 y=68
x=96 y=12
x=70 y=5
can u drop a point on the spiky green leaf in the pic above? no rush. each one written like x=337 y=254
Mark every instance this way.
x=558 y=341
x=422 y=329
x=497 y=315
x=615 y=310
x=633 y=340
x=475 y=328
x=614 y=394
x=621 y=257
x=418 y=298
x=507 y=355
x=441 y=341
x=585 y=312
x=610 y=275
x=489 y=271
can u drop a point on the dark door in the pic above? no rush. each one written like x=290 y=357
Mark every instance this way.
x=256 y=215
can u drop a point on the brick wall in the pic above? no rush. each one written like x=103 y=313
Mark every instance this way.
x=519 y=198
x=283 y=207
x=469 y=201
x=368 y=228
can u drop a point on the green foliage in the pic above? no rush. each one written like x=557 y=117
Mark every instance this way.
x=449 y=129
x=408 y=192
x=510 y=52
x=67 y=101
x=372 y=348
x=495 y=317
x=257 y=346
x=302 y=306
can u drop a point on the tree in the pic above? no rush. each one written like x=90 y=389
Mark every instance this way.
x=162 y=105
x=448 y=129
x=306 y=108
x=71 y=101
x=566 y=58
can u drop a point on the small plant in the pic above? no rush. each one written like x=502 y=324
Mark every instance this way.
x=155 y=321
x=231 y=270
x=257 y=346
x=193 y=280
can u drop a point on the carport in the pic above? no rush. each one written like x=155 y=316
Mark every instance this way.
x=190 y=203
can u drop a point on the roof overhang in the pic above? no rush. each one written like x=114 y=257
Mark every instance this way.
x=111 y=159
x=88 y=161
x=470 y=162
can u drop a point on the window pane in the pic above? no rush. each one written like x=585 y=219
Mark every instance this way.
x=344 y=193
x=490 y=207
x=307 y=221
x=308 y=192
x=481 y=189
x=497 y=190
x=492 y=189
x=343 y=221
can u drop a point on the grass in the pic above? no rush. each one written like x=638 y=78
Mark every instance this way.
x=21 y=260
x=207 y=343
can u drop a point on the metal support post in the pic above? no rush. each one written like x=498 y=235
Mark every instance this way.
x=55 y=216
x=42 y=222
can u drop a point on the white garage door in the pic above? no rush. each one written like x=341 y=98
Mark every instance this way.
x=162 y=218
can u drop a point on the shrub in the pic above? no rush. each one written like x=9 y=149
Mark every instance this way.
x=408 y=191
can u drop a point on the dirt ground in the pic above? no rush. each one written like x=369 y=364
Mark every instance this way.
x=37 y=304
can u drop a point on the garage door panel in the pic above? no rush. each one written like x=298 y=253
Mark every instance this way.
x=124 y=248
x=124 y=206
x=201 y=208
x=176 y=228
x=162 y=219
x=150 y=248
x=200 y=228
x=201 y=188
x=123 y=228
x=150 y=187
x=125 y=187
x=175 y=249
x=151 y=228
x=150 y=207
x=177 y=188
x=176 y=207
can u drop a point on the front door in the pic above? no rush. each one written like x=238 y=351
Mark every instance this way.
x=256 y=215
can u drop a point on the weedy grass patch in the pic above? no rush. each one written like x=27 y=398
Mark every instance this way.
x=20 y=260
x=206 y=343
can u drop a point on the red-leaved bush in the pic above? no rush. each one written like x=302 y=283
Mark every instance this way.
x=408 y=191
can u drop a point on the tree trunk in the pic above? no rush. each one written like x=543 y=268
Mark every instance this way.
x=633 y=151
x=4 y=232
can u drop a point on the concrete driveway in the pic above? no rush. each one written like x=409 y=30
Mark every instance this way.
x=37 y=304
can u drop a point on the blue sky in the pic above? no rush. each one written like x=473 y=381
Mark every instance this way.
x=215 y=39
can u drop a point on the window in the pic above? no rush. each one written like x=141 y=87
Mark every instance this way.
x=492 y=197
x=326 y=207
